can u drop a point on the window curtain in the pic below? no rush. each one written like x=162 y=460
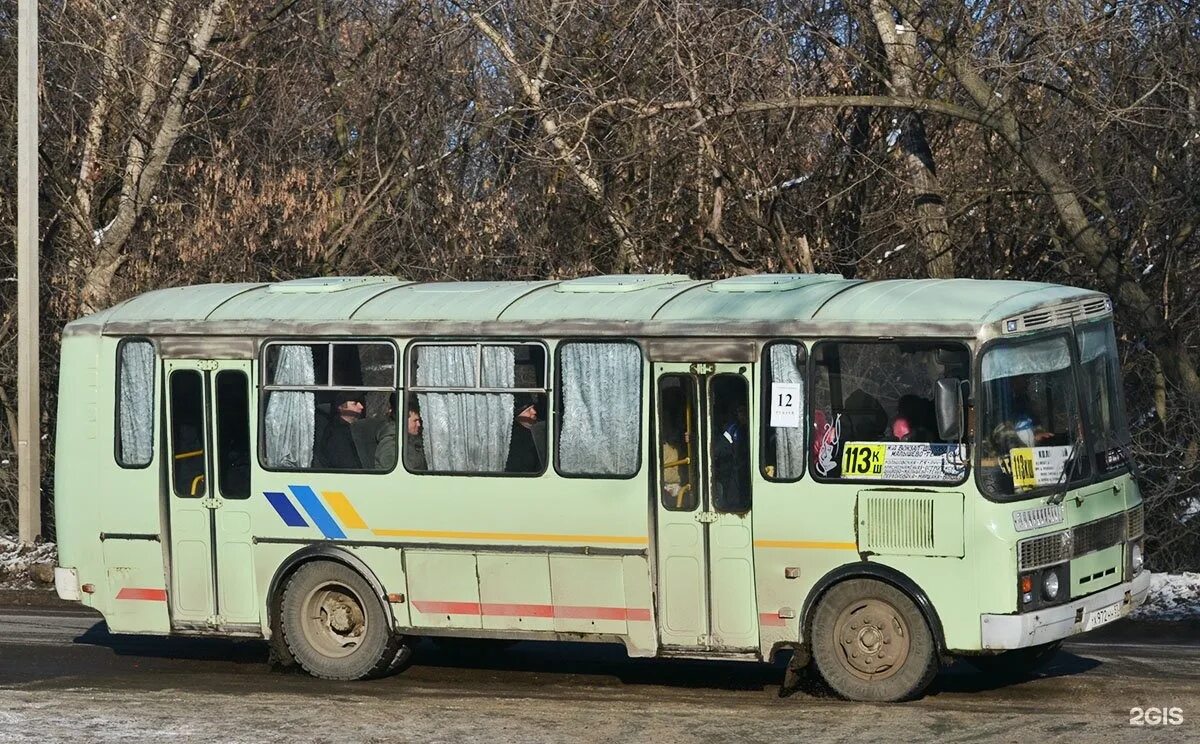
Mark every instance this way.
x=1050 y=355
x=137 y=402
x=789 y=442
x=466 y=432
x=291 y=414
x=601 y=394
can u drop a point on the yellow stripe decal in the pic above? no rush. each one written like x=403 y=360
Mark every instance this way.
x=806 y=544
x=345 y=512
x=512 y=536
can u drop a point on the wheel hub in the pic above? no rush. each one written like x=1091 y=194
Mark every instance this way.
x=334 y=620
x=873 y=639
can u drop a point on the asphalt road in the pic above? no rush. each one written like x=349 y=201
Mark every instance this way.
x=62 y=676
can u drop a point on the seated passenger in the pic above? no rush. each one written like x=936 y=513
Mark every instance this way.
x=863 y=418
x=335 y=447
x=527 y=450
x=414 y=442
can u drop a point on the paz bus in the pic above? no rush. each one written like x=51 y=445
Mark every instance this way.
x=878 y=476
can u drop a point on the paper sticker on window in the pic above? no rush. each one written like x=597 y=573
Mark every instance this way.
x=785 y=405
x=904 y=461
x=1037 y=466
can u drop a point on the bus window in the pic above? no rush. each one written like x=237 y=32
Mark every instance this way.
x=729 y=406
x=187 y=432
x=135 y=404
x=329 y=406
x=600 y=404
x=783 y=389
x=482 y=408
x=873 y=411
x=233 y=434
x=678 y=432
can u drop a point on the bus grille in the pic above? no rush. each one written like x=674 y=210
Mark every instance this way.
x=1061 y=546
x=1045 y=550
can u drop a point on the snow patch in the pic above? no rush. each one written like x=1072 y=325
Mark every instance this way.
x=1171 y=597
x=15 y=560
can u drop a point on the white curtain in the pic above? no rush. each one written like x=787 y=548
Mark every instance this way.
x=1050 y=355
x=291 y=414
x=466 y=432
x=602 y=395
x=136 y=388
x=789 y=441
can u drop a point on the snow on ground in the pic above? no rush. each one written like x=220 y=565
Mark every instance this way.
x=15 y=560
x=1172 y=597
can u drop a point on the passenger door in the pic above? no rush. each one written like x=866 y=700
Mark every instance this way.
x=706 y=597
x=210 y=435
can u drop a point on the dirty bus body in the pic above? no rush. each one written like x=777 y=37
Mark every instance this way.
x=879 y=475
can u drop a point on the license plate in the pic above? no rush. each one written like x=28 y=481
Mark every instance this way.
x=1102 y=616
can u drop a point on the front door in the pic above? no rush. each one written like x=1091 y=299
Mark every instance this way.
x=706 y=598
x=210 y=434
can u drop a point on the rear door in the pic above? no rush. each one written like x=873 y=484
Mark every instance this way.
x=210 y=431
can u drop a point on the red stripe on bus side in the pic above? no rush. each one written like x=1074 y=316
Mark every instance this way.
x=491 y=609
x=772 y=619
x=133 y=592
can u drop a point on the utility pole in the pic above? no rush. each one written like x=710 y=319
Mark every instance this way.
x=29 y=443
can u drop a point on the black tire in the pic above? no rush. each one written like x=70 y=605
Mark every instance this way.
x=871 y=643
x=335 y=626
x=1016 y=664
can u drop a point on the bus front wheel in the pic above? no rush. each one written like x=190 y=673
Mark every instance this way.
x=335 y=627
x=871 y=643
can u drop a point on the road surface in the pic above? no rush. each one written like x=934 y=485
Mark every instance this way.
x=62 y=676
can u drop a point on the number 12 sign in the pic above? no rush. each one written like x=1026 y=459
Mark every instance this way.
x=785 y=405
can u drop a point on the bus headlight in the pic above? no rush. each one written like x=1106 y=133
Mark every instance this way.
x=1135 y=557
x=1050 y=586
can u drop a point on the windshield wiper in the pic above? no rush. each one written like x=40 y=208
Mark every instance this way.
x=1064 y=479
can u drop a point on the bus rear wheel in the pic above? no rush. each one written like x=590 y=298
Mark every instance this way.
x=871 y=643
x=335 y=627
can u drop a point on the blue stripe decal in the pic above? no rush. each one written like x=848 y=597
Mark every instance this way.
x=316 y=510
x=283 y=505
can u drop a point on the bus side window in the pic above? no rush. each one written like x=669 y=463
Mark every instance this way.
x=783 y=446
x=329 y=406
x=599 y=410
x=678 y=432
x=187 y=432
x=482 y=408
x=233 y=434
x=135 y=403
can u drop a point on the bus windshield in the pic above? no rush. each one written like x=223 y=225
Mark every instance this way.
x=1030 y=418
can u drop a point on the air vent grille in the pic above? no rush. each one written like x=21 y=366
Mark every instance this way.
x=1136 y=522
x=898 y=523
x=1048 y=317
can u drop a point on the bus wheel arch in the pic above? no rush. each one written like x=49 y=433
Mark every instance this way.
x=870 y=637
x=281 y=654
x=880 y=572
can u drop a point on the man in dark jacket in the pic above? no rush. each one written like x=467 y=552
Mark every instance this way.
x=336 y=447
x=731 y=464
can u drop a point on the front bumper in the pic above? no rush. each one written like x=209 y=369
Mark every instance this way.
x=1003 y=632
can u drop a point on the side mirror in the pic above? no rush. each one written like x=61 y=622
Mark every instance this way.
x=949 y=405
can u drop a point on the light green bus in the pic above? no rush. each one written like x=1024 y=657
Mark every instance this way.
x=880 y=476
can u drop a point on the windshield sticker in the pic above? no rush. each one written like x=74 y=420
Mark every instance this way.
x=1038 y=466
x=827 y=445
x=904 y=461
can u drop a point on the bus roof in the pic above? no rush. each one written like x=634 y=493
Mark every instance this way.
x=666 y=299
